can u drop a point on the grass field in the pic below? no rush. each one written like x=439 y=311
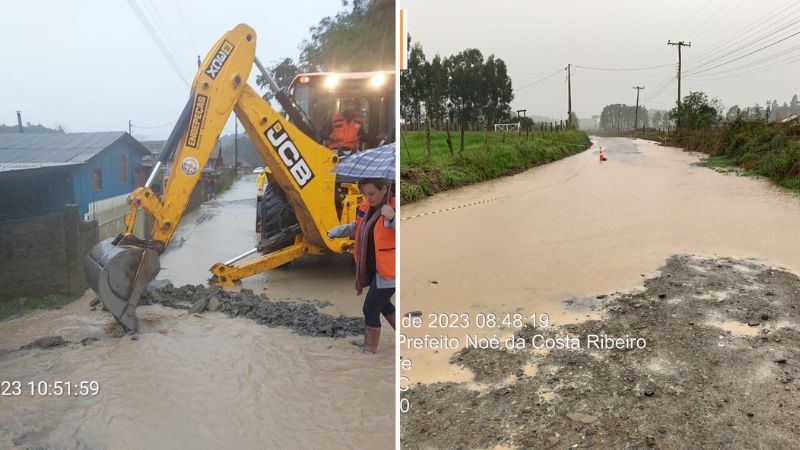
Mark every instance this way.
x=421 y=176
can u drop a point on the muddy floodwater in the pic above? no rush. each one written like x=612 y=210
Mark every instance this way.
x=576 y=228
x=203 y=380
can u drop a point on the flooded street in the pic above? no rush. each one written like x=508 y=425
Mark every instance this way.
x=576 y=228
x=225 y=227
x=203 y=381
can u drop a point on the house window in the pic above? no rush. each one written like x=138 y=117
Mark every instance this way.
x=123 y=170
x=97 y=180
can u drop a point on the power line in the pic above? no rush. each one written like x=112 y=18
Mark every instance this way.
x=742 y=74
x=765 y=62
x=706 y=29
x=703 y=28
x=747 y=54
x=687 y=23
x=164 y=30
x=631 y=69
x=539 y=80
x=159 y=43
x=745 y=46
x=189 y=34
x=661 y=90
x=741 y=35
x=155 y=126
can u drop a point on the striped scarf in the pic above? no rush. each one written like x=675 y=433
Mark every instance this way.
x=362 y=271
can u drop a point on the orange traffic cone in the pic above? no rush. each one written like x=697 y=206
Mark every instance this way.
x=602 y=158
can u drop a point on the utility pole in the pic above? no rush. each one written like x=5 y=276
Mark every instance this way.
x=619 y=116
x=679 y=44
x=569 y=95
x=129 y=128
x=636 y=120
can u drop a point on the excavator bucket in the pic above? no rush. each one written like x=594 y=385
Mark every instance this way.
x=118 y=274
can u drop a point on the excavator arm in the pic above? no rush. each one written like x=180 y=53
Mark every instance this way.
x=119 y=269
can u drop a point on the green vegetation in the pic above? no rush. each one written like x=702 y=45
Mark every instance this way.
x=502 y=155
x=12 y=307
x=768 y=150
x=359 y=38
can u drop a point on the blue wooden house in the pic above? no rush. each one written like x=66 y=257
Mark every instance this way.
x=41 y=172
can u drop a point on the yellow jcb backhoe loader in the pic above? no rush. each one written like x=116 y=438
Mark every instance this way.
x=308 y=203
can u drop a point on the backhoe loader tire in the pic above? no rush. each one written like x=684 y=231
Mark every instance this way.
x=276 y=216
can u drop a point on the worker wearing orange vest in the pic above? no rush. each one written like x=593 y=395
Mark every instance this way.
x=374 y=252
x=346 y=131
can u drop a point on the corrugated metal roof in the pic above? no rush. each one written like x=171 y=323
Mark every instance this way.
x=48 y=148
x=25 y=151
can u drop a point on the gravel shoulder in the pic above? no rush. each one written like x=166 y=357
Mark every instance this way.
x=719 y=370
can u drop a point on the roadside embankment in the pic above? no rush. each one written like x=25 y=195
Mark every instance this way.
x=485 y=156
x=768 y=150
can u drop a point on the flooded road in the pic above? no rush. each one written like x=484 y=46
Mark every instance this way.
x=203 y=381
x=575 y=228
x=225 y=227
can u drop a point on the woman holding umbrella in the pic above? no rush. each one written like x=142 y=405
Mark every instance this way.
x=374 y=252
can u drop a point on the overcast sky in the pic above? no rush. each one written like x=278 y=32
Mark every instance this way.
x=91 y=65
x=537 y=38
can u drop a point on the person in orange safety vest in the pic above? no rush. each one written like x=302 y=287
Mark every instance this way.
x=347 y=129
x=374 y=252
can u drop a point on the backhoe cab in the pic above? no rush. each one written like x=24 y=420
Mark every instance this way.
x=369 y=94
x=304 y=199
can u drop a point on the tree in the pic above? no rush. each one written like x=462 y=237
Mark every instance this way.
x=657 y=118
x=435 y=104
x=413 y=86
x=697 y=111
x=794 y=106
x=283 y=72
x=360 y=38
x=573 y=120
x=498 y=92
x=733 y=113
x=464 y=87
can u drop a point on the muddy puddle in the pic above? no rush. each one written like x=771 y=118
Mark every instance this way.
x=201 y=380
x=575 y=230
x=666 y=367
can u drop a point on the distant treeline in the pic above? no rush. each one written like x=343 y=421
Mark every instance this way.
x=464 y=89
x=698 y=111
x=28 y=128
x=770 y=112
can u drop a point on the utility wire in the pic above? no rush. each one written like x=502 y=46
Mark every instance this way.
x=155 y=126
x=661 y=90
x=539 y=80
x=740 y=36
x=775 y=65
x=725 y=16
x=765 y=62
x=615 y=69
x=159 y=43
x=745 y=55
x=746 y=45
